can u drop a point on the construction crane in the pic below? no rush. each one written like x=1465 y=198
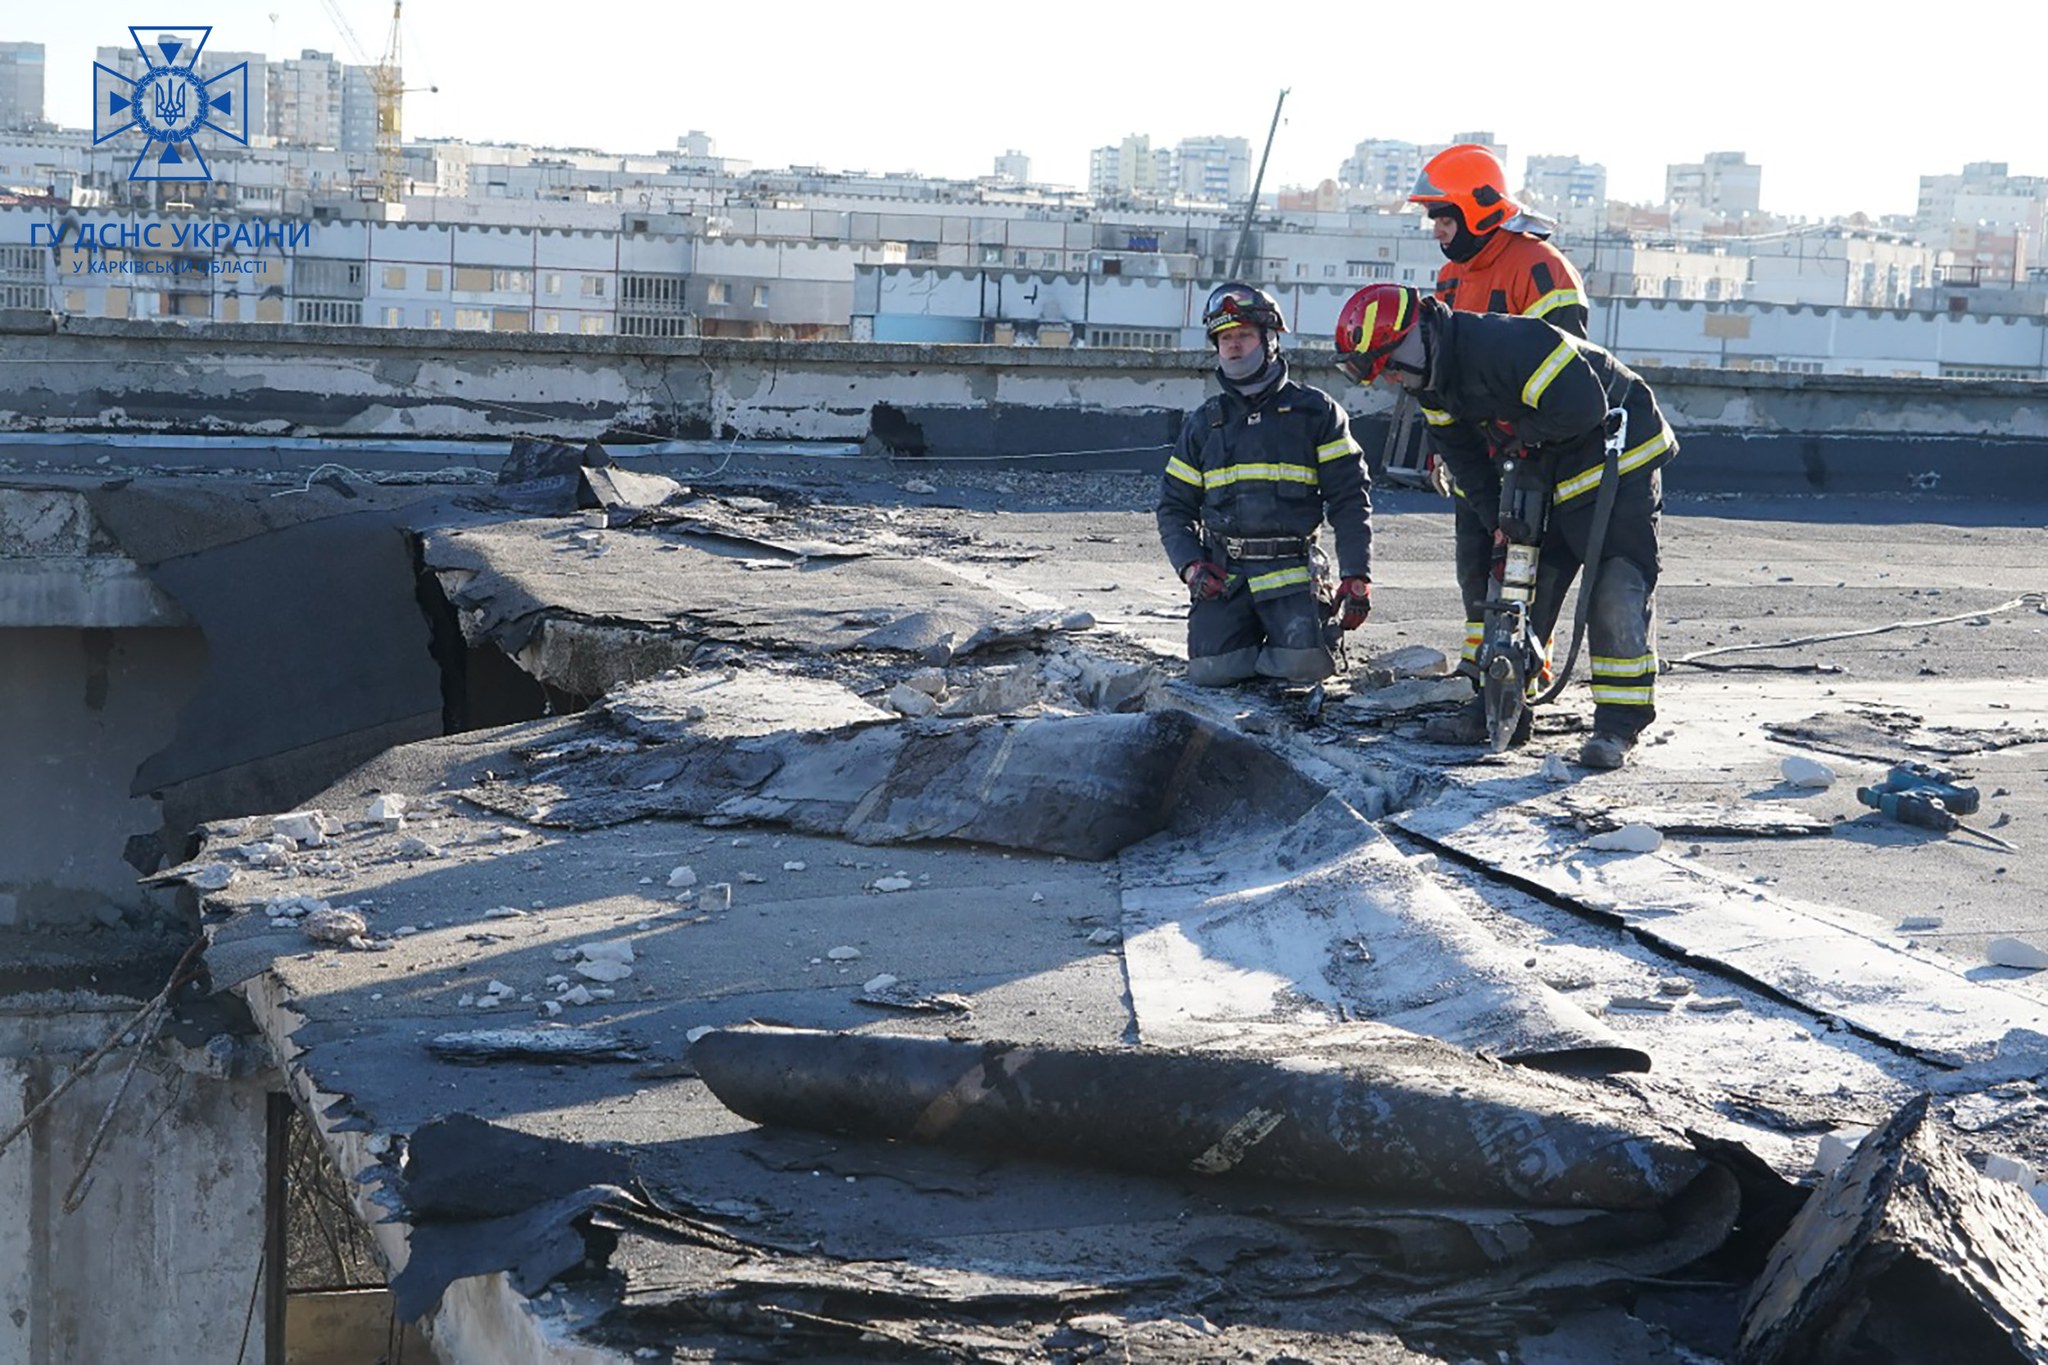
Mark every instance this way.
x=387 y=83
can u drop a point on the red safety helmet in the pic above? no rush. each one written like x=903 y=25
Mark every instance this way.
x=1468 y=178
x=1241 y=305
x=1375 y=320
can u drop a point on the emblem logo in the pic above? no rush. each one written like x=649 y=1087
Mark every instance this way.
x=170 y=104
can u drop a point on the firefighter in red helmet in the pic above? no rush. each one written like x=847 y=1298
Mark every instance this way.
x=1493 y=386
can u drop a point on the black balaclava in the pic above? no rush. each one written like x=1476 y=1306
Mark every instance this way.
x=1463 y=245
x=1262 y=369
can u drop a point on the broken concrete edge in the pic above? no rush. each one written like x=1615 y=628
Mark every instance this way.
x=481 y=1319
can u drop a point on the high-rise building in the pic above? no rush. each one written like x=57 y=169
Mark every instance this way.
x=1383 y=170
x=1559 y=182
x=1215 y=169
x=1131 y=167
x=255 y=115
x=316 y=101
x=1013 y=168
x=21 y=84
x=1724 y=184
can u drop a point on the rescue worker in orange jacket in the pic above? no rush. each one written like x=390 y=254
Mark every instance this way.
x=1498 y=259
x=1491 y=385
x=1497 y=255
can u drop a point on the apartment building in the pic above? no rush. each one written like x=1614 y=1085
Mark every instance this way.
x=21 y=85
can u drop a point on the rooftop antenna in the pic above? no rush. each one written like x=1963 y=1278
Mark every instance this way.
x=1252 y=205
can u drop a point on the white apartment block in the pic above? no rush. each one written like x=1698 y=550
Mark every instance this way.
x=1130 y=168
x=21 y=85
x=1213 y=170
x=1382 y=171
x=1724 y=186
x=1013 y=168
x=1572 y=191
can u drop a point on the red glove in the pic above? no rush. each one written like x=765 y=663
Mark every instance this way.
x=1354 y=602
x=1204 y=579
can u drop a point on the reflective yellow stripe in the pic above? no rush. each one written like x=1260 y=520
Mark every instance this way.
x=1437 y=417
x=1630 y=459
x=1185 y=472
x=1625 y=668
x=1278 y=473
x=1279 y=578
x=1337 y=449
x=1554 y=300
x=1624 y=696
x=1553 y=365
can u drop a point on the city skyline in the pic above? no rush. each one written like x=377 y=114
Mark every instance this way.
x=925 y=93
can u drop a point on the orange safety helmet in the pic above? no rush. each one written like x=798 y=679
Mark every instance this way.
x=1471 y=180
x=1375 y=320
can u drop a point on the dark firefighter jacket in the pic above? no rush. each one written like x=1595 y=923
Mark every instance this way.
x=1491 y=374
x=1518 y=274
x=1273 y=468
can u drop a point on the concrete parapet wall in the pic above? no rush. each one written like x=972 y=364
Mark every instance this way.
x=1115 y=407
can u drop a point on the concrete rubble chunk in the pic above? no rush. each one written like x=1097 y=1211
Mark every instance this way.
x=1555 y=769
x=388 y=810
x=610 y=950
x=306 y=828
x=1807 y=774
x=1836 y=1148
x=1109 y=686
x=210 y=876
x=878 y=983
x=993 y=695
x=845 y=952
x=2012 y=1170
x=919 y=486
x=1628 y=839
x=930 y=681
x=334 y=926
x=1411 y=694
x=682 y=876
x=793 y=865
x=1413 y=661
x=2015 y=952
x=603 y=971
x=894 y=883
x=577 y=995
x=906 y=700
x=412 y=846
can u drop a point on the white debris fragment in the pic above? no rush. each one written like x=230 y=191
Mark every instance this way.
x=878 y=983
x=1038 y=898
x=906 y=700
x=412 y=846
x=597 y=518
x=604 y=971
x=752 y=878
x=504 y=912
x=610 y=950
x=682 y=876
x=1836 y=1148
x=698 y=1032
x=306 y=828
x=1423 y=862
x=2012 y=1170
x=1102 y=938
x=1807 y=773
x=2015 y=952
x=1628 y=839
x=1410 y=694
x=897 y=882
x=845 y=952
x=930 y=681
x=1640 y=1004
x=388 y=810
x=918 y=486
x=498 y=988
x=1555 y=769
x=269 y=853
x=577 y=995
x=292 y=907
x=550 y=1008
x=334 y=926
x=1413 y=661
x=1675 y=985
x=793 y=865
x=210 y=876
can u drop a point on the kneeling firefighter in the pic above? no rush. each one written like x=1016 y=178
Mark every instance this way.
x=1254 y=474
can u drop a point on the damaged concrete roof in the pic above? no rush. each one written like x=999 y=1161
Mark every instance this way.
x=763 y=825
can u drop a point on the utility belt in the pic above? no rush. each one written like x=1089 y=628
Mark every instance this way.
x=1267 y=547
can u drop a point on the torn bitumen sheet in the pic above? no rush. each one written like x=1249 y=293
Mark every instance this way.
x=1013 y=784
x=1826 y=959
x=505 y=577
x=1375 y=1112
x=1880 y=736
x=1321 y=921
x=1905 y=1253
x=1753 y=818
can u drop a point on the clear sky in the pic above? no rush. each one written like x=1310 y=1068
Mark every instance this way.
x=1844 y=105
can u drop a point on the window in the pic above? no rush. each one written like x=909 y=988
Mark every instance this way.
x=394 y=277
x=472 y=279
x=592 y=326
x=718 y=293
x=74 y=301
x=512 y=281
x=554 y=284
x=472 y=319
x=1329 y=272
x=394 y=317
x=511 y=320
x=1144 y=338
x=551 y=322
x=329 y=312
x=436 y=279
x=593 y=286
x=760 y=296
x=433 y=317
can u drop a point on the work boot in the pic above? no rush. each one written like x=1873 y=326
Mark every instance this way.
x=1603 y=750
x=1467 y=725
